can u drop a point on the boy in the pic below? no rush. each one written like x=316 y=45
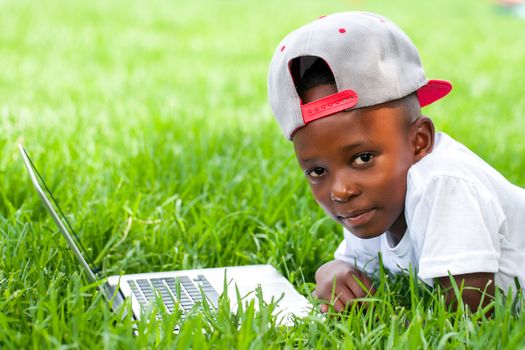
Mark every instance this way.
x=347 y=90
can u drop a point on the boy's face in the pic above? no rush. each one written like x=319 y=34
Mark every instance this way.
x=356 y=163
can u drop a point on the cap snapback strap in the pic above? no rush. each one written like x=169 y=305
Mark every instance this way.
x=328 y=105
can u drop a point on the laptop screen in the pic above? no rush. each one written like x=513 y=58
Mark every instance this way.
x=59 y=218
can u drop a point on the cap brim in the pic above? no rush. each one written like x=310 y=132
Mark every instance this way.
x=433 y=91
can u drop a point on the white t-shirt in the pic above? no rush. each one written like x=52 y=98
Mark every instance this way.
x=462 y=217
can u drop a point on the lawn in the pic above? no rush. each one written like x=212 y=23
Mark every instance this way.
x=149 y=121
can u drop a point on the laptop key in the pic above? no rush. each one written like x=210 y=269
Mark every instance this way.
x=187 y=307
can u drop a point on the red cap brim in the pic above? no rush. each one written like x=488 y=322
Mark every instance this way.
x=433 y=91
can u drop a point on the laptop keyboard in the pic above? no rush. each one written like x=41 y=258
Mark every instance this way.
x=190 y=291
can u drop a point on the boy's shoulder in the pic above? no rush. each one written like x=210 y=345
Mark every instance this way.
x=451 y=159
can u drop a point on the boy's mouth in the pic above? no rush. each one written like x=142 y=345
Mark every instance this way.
x=357 y=218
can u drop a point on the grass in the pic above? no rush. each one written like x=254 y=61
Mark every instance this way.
x=149 y=121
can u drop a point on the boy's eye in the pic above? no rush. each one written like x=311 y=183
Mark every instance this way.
x=363 y=159
x=316 y=172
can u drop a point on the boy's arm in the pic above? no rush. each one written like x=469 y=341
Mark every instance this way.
x=478 y=289
x=455 y=228
x=346 y=288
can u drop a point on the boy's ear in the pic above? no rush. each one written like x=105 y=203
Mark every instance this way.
x=422 y=137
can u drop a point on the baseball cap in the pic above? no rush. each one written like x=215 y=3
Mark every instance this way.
x=372 y=61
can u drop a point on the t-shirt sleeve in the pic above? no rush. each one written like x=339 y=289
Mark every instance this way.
x=454 y=225
x=361 y=253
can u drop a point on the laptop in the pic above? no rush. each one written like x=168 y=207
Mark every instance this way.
x=179 y=290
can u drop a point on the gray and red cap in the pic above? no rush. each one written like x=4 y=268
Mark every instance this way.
x=372 y=61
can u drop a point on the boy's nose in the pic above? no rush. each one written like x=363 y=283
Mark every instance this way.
x=343 y=190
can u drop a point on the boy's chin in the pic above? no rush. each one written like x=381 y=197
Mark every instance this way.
x=365 y=233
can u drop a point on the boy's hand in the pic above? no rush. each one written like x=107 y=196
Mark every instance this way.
x=346 y=286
